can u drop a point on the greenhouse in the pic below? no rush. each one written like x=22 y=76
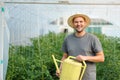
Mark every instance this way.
x=32 y=30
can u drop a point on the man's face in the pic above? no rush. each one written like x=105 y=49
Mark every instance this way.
x=79 y=24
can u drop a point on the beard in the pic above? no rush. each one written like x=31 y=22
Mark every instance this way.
x=79 y=31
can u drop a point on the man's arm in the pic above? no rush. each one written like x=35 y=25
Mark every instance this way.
x=98 y=58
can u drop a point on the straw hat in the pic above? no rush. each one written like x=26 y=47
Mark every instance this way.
x=70 y=19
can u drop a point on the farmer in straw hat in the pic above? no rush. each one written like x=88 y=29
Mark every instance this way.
x=84 y=46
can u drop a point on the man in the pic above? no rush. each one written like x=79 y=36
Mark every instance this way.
x=84 y=46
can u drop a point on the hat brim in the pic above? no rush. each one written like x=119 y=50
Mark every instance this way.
x=70 y=19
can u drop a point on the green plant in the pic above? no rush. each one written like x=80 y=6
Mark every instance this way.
x=34 y=62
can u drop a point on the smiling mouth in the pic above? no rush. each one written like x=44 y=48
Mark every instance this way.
x=79 y=28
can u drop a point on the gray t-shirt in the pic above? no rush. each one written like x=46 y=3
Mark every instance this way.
x=87 y=45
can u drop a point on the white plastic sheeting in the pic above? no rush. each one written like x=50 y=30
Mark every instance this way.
x=5 y=50
x=30 y=20
x=1 y=45
x=4 y=44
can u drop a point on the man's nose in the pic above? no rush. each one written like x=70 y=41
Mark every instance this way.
x=78 y=23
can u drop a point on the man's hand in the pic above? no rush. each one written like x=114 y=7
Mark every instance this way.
x=57 y=73
x=81 y=58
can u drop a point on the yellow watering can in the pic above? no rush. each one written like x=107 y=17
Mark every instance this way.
x=71 y=68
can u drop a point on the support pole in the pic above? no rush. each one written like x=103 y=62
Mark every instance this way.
x=1 y=40
x=4 y=43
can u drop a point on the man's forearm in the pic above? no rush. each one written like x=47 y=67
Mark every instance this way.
x=98 y=58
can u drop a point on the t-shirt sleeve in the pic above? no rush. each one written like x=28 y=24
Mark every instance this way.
x=96 y=45
x=64 y=46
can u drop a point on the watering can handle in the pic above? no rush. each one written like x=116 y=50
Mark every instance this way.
x=84 y=67
x=72 y=57
x=56 y=65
